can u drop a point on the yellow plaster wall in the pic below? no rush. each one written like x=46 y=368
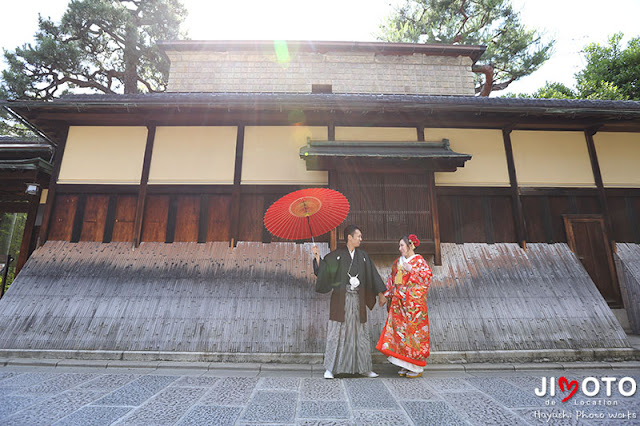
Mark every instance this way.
x=103 y=154
x=193 y=155
x=551 y=159
x=376 y=134
x=488 y=164
x=272 y=155
x=619 y=158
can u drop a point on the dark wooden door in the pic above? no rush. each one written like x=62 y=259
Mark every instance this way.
x=387 y=206
x=587 y=238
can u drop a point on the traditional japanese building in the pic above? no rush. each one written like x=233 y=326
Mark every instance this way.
x=152 y=243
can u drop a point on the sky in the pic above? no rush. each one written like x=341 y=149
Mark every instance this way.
x=572 y=23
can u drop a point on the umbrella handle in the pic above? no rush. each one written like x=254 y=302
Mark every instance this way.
x=310 y=230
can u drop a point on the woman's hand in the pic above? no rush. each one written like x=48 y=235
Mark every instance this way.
x=316 y=253
x=406 y=266
x=382 y=300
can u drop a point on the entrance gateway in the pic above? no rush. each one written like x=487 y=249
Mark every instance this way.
x=390 y=186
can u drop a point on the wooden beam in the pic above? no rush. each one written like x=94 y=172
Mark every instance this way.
x=234 y=226
x=25 y=245
x=51 y=194
x=110 y=220
x=142 y=189
x=489 y=233
x=478 y=191
x=78 y=218
x=558 y=192
x=333 y=239
x=547 y=220
x=597 y=177
x=518 y=212
x=435 y=220
x=14 y=207
x=203 y=219
x=96 y=189
x=170 y=232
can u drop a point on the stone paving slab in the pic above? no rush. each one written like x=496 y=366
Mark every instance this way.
x=34 y=395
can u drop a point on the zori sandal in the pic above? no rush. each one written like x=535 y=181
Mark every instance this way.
x=413 y=375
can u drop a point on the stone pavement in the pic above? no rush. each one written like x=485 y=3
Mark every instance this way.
x=74 y=392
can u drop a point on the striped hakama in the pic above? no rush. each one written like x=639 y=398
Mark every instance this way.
x=348 y=347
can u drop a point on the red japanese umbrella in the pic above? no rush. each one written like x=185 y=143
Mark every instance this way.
x=306 y=213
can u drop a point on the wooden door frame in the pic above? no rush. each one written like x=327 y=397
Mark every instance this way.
x=571 y=241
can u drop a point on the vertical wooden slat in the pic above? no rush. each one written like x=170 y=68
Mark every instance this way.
x=457 y=219
x=251 y=226
x=333 y=235
x=94 y=218
x=109 y=223
x=51 y=194
x=187 y=218
x=156 y=214
x=171 y=219
x=78 y=219
x=268 y=200
x=64 y=211
x=219 y=218
x=203 y=222
x=632 y=217
x=472 y=219
x=504 y=229
x=235 y=195
x=144 y=180
x=488 y=221
x=125 y=217
x=333 y=239
x=547 y=220
x=435 y=218
x=521 y=229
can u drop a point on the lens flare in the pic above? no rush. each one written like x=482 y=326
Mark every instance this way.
x=282 y=52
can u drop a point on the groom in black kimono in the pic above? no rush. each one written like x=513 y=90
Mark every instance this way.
x=354 y=281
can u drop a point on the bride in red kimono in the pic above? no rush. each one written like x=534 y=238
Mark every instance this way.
x=405 y=337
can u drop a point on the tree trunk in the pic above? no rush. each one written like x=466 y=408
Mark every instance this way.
x=131 y=59
x=487 y=70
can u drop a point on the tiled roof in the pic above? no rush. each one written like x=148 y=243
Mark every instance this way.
x=334 y=101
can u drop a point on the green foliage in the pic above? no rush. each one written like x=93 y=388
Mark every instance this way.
x=10 y=239
x=9 y=126
x=612 y=72
x=548 y=91
x=512 y=49
x=106 y=46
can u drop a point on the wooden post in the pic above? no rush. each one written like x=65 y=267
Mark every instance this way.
x=435 y=220
x=333 y=239
x=6 y=259
x=235 y=194
x=28 y=232
x=51 y=194
x=142 y=189
x=109 y=223
x=597 y=177
x=203 y=222
x=518 y=212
